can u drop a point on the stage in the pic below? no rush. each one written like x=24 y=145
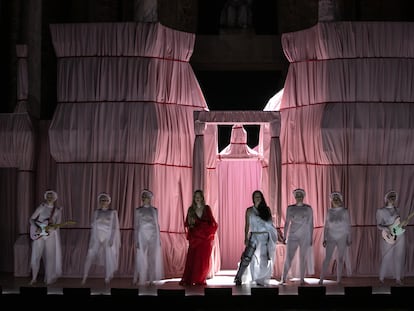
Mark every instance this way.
x=219 y=293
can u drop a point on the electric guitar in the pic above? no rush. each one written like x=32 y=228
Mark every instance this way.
x=41 y=230
x=396 y=229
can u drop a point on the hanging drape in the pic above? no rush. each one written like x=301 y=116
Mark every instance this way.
x=124 y=122
x=347 y=125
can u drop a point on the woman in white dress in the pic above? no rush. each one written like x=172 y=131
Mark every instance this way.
x=149 y=265
x=298 y=233
x=392 y=250
x=336 y=234
x=260 y=240
x=105 y=239
x=46 y=243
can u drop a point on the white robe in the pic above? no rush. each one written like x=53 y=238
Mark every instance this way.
x=337 y=234
x=148 y=257
x=298 y=232
x=264 y=235
x=104 y=242
x=47 y=247
x=392 y=255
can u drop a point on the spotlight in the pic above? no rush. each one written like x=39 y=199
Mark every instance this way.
x=38 y=291
x=358 y=291
x=170 y=292
x=216 y=291
x=265 y=291
x=124 y=292
x=81 y=291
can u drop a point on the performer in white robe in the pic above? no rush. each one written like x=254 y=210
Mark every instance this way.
x=260 y=240
x=46 y=243
x=105 y=239
x=149 y=264
x=336 y=235
x=393 y=252
x=298 y=233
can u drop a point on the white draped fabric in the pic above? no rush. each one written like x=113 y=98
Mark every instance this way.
x=17 y=151
x=346 y=125
x=131 y=115
x=232 y=175
x=124 y=122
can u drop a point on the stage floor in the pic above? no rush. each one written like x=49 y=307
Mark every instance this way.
x=223 y=279
x=220 y=293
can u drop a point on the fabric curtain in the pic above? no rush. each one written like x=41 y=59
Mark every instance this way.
x=124 y=122
x=346 y=123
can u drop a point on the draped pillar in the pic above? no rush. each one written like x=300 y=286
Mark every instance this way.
x=198 y=156
x=275 y=174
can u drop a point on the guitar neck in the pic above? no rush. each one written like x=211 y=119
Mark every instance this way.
x=405 y=222
x=55 y=226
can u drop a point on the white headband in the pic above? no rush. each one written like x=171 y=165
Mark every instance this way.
x=147 y=193
x=55 y=196
x=299 y=191
x=338 y=194
x=389 y=193
x=104 y=194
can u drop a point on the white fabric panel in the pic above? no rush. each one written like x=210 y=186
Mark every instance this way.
x=345 y=125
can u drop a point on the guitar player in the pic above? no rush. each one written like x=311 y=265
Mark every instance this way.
x=392 y=259
x=47 y=245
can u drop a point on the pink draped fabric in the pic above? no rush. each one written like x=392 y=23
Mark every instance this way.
x=131 y=115
x=17 y=150
x=232 y=176
x=346 y=123
x=124 y=122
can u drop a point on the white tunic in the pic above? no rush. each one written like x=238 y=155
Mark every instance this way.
x=392 y=255
x=263 y=234
x=148 y=258
x=49 y=246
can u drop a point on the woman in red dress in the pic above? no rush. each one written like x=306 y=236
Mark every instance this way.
x=200 y=227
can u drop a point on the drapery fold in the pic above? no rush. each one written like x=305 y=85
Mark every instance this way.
x=340 y=40
x=346 y=119
x=124 y=122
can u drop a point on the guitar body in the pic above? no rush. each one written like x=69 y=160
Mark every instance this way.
x=395 y=230
x=36 y=232
x=42 y=230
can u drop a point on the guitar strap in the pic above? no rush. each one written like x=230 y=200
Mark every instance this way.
x=51 y=215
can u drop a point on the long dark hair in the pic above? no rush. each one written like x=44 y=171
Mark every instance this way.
x=264 y=210
x=191 y=216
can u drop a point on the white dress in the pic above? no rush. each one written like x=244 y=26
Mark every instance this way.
x=337 y=234
x=392 y=255
x=263 y=234
x=148 y=257
x=298 y=232
x=104 y=242
x=48 y=246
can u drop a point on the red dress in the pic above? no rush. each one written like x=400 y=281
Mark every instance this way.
x=200 y=245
